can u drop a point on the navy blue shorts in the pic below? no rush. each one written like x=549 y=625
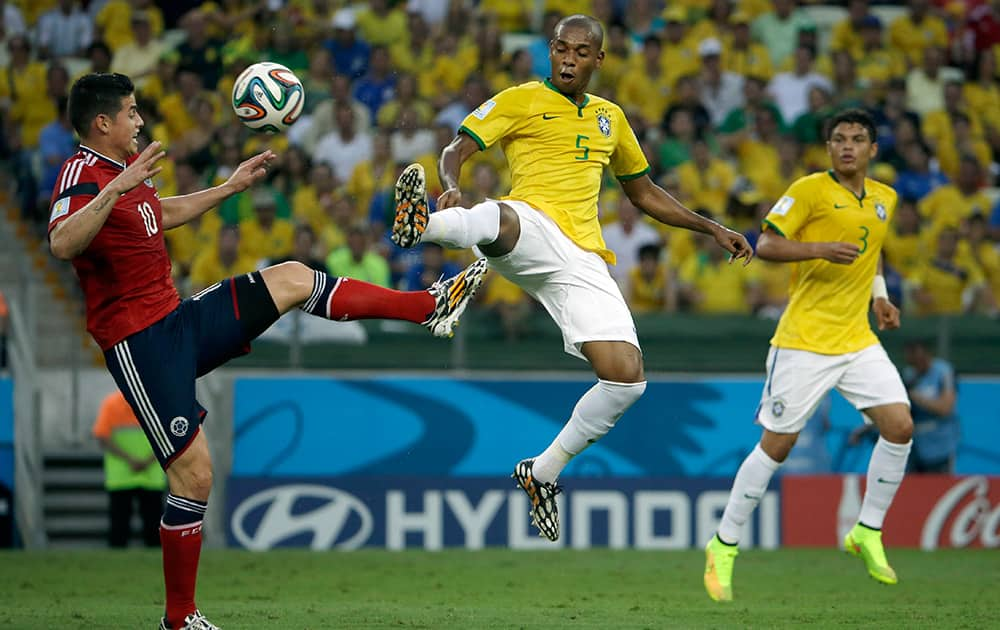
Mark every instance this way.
x=156 y=368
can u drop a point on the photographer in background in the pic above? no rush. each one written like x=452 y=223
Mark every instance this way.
x=930 y=383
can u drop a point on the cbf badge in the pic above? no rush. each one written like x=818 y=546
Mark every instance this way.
x=604 y=122
x=880 y=211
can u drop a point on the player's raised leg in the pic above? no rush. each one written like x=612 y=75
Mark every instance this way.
x=491 y=225
x=618 y=365
x=341 y=299
x=885 y=473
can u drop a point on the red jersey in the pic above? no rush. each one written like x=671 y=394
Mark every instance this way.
x=125 y=271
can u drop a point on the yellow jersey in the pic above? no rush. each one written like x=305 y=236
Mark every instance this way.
x=828 y=308
x=557 y=151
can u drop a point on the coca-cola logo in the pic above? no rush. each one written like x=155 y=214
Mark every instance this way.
x=970 y=520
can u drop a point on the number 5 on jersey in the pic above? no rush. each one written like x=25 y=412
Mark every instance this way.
x=148 y=218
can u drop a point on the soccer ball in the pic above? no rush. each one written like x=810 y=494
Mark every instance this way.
x=268 y=97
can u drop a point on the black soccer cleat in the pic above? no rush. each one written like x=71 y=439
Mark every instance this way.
x=412 y=208
x=544 y=511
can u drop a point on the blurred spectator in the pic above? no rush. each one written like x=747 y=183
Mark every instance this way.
x=755 y=95
x=509 y=302
x=846 y=34
x=22 y=85
x=410 y=141
x=431 y=268
x=721 y=92
x=376 y=174
x=642 y=20
x=346 y=146
x=790 y=168
x=649 y=284
x=285 y=50
x=116 y=21
x=220 y=262
x=539 y=47
x=98 y=57
x=405 y=96
x=350 y=55
x=380 y=24
x=681 y=132
x=791 y=89
x=932 y=388
x=948 y=205
x=984 y=252
x=644 y=88
x=56 y=143
x=625 y=237
x=357 y=260
x=179 y=107
x=316 y=81
x=709 y=284
x=758 y=151
x=779 y=29
x=340 y=213
x=475 y=94
x=65 y=31
x=745 y=56
x=925 y=84
x=307 y=132
x=963 y=142
x=310 y=199
x=486 y=184
x=918 y=179
x=680 y=54
x=304 y=250
x=913 y=34
x=706 y=180
x=265 y=236
x=686 y=97
x=198 y=235
x=131 y=473
x=945 y=284
x=200 y=53
x=378 y=86
x=938 y=125
x=850 y=90
x=517 y=71
x=12 y=19
x=413 y=53
x=905 y=246
x=877 y=64
x=982 y=94
x=451 y=68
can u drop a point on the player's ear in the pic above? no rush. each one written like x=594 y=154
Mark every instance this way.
x=873 y=151
x=600 y=59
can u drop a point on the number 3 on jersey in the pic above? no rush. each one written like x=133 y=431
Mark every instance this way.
x=864 y=239
x=148 y=218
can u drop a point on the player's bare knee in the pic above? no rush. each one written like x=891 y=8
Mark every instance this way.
x=899 y=430
x=290 y=283
x=193 y=481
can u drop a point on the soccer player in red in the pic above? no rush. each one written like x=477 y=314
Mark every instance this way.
x=108 y=219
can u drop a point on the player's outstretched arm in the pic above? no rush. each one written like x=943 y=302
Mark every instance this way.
x=661 y=205
x=450 y=168
x=775 y=247
x=181 y=209
x=73 y=235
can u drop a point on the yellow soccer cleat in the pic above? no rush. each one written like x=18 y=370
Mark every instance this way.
x=719 y=559
x=866 y=543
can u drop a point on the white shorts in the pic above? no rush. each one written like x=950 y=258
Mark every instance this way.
x=572 y=284
x=797 y=380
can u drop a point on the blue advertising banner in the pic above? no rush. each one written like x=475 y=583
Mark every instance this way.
x=392 y=425
x=7 y=432
x=435 y=512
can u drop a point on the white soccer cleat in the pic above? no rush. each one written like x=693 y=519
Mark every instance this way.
x=194 y=621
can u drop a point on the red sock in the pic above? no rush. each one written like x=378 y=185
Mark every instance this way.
x=181 y=551
x=355 y=299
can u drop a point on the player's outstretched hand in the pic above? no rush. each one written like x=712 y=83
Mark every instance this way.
x=449 y=199
x=838 y=252
x=250 y=171
x=140 y=170
x=734 y=243
x=886 y=313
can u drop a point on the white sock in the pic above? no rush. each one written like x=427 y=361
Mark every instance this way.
x=459 y=228
x=885 y=473
x=595 y=413
x=748 y=487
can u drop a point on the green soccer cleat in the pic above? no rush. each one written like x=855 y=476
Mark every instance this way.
x=866 y=543
x=719 y=559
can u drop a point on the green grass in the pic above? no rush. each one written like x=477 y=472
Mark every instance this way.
x=502 y=589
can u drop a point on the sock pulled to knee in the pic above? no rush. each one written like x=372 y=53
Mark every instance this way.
x=748 y=487
x=595 y=413
x=180 y=537
x=459 y=228
x=885 y=472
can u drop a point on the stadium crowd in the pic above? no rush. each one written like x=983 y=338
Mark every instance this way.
x=727 y=97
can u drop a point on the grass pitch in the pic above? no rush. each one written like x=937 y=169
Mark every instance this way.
x=503 y=589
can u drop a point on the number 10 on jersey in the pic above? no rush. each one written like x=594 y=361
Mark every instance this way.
x=148 y=218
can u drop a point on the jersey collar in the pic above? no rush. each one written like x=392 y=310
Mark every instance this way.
x=579 y=108
x=120 y=165
x=863 y=191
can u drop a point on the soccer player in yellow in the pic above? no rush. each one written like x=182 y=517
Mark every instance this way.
x=545 y=235
x=831 y=225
